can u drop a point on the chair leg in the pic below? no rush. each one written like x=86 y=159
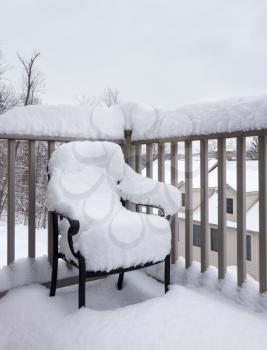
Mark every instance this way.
x=53 y=285
x=120 y=281
x=167 y=272
x=82 y=280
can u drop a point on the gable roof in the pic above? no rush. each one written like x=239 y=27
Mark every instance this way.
x=252 y=214
x=231 y=177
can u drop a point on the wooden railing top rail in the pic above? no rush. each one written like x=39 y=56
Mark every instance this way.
x=52 y=138
x=233 y=134
x=227 y=135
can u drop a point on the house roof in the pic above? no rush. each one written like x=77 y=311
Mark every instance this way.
x=231 y=177
x=181 y=170
x=253 y=217
x=251 y=186
x=252 y=214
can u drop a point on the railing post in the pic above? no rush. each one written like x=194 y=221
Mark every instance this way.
x=263 y=213
x=222 y=254
x=174 y=182
x=149 y=166
x=241 y=210
x=204 y=206
x=11 y=202
x=188 y=205
x=32 y=191
x=51 y=148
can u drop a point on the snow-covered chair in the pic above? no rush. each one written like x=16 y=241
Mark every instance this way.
x=92 y=228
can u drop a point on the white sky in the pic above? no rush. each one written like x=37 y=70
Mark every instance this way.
x=165 y=53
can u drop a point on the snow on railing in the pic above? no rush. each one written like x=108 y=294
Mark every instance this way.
x=138 y=140
x=146 y=122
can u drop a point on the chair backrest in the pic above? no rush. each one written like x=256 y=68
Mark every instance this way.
x=78 y=154
x=83 y=180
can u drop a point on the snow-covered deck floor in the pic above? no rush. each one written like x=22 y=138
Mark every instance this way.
x=138 y=317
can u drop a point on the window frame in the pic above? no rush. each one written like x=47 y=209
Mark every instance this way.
x=248 y=248
x=183 y=199
x=196 y=235
x=214 y=239
x=231 y=206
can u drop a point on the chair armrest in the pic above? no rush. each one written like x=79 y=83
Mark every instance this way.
x=168 y=217
x=148 y=192
x=72 y=231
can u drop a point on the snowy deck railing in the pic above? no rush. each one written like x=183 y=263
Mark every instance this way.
x=219 y=121
x=241 y=197
x=132 y=151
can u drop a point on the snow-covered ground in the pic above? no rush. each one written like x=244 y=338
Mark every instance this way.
x=138 y=317
x=21 y=242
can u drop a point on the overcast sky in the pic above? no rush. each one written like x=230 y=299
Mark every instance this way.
x=163 y=52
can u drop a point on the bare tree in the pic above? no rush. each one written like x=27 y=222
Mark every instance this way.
x=110 y=97
x=8 y=97
x=253 y=152
x=85 y=100
x=32 y=82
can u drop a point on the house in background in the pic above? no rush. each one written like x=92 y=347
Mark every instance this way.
x=252 y=206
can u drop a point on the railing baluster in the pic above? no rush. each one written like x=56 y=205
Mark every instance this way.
x=11 y=202
x=51 y=148
x=126 y=146
x=263 y=213
x=149 y=166
x=138 y=166
x=161 y=161
x=149 y=160
x=138 y=158
x=131 y=162
x=32 y=198
x=188 y=205
x=204 y=200
x=241 y=210
x=174 y=182
x=222 y=254
x=123 y=148
x=131 y=159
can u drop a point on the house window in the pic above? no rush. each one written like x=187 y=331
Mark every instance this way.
x=183 y=199
x=214 y=239
x=229 y=205
x=196 y=235
x=248 y=247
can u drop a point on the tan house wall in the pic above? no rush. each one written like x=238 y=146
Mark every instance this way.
x=251 y=198
x=252 y=266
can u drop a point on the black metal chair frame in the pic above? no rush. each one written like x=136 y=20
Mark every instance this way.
x=83 y=273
